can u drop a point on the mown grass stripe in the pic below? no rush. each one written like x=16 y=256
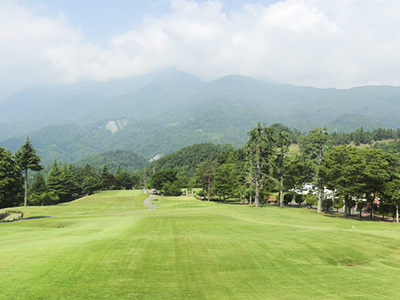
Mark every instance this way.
x=189 y=249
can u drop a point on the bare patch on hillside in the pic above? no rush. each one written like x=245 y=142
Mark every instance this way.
x=116 y=125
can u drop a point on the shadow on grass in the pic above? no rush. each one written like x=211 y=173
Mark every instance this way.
x=357 y=217
x=34 y=218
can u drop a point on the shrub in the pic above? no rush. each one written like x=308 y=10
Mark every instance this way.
x=298 y=199
x=311 y=200
x=338 y=203
x=287 y=198
x=327 y=204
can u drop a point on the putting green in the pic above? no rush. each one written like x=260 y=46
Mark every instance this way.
x=189 y=249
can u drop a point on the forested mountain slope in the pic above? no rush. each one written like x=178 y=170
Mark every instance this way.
x=166 y=111
x=113 y=159
x=186 y=160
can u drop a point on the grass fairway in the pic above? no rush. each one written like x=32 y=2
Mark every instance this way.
x=189 y=249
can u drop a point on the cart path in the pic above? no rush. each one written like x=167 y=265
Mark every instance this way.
x=149 y=204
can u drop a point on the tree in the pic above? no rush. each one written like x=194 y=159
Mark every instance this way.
x=53 y=179
x=378 y=170
x=360 y=206
x=124 y=179
x=85 y=172
x=109 y=181
x=343 y=170
x=69 y=184
x=117 y=174
x=27 y=160
x=162 y=177
x=205 y=175
x=10 y=179
x=135 y=179
x=261 y=154
x=238 y=159
x=38 y=194
x=39 y=185
x=46 y=198
x=90 y=184
x=318 y=139
x=283 y=148
x=225 y=180
x=337 y=203
x=172 y=189
x=103 y=177
x=392 y=195
x=299 y=169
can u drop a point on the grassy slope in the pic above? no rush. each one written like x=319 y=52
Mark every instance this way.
x=190 y=249
x=106 y=202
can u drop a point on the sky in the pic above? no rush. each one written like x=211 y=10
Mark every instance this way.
x=320 y=43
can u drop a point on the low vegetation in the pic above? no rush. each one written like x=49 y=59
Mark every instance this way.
x=192 y=249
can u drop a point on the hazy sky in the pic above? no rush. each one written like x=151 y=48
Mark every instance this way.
x=321 y=43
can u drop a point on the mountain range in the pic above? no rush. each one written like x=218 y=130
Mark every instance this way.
x=165 y=111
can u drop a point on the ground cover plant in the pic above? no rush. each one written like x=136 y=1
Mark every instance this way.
x=192 y=249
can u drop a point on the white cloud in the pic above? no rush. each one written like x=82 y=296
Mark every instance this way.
x=25 y=36
x=304 y=42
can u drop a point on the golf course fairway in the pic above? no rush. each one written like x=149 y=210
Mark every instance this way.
x=112 y=246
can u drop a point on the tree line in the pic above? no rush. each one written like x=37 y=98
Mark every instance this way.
x=361 y=136
x=63 y=182
x=365 y=178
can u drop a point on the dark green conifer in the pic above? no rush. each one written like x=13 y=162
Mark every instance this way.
x=27 y=160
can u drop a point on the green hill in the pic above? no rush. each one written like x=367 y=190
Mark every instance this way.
x=352 y=122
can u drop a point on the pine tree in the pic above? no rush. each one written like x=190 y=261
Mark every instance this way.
x=10 y=179
x=261 y=153
x=90 y=184
x=106 y=178
x=283 y=145
x=123 y=179
x=319 y=139
x=69 y=184
x=39 y=185
x=27 y=160
x=53 y=179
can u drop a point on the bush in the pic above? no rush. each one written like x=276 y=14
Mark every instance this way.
x=338 y=203
x=298 y=199
x=311 y=200
x=287 y=198
x=327 y=204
